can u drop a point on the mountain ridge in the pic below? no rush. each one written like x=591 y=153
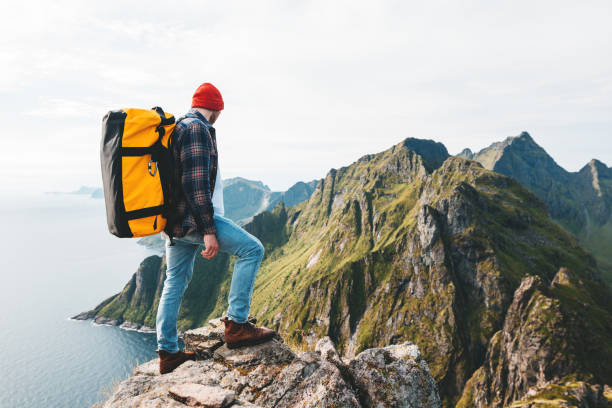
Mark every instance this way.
x=412 y=246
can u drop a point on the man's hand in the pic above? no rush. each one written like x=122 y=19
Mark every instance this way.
x=211 y=246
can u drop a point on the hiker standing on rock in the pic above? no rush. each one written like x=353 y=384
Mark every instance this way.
x=198 y=219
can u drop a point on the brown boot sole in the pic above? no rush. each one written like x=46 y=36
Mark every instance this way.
x=243 y=343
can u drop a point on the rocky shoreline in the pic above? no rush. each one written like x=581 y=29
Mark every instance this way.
x=273 y=375
x=105 y=321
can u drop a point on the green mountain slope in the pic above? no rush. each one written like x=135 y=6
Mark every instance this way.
x=581 y=201
x=411 y=244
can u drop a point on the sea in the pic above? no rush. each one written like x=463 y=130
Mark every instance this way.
x=57 y=259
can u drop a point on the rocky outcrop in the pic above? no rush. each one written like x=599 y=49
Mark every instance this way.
x=272 y=375
x=543 y=347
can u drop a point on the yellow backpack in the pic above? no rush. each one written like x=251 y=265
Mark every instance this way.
x=137 y=170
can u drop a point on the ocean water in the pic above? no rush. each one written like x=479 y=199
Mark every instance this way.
x=58 y=259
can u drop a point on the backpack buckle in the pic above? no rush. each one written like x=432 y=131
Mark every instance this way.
x=154 y=171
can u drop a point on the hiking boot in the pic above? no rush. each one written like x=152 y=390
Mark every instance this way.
x=245 y=334
x=169 y=361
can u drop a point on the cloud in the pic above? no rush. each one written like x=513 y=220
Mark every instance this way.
x=63 y=109
x=303 y=79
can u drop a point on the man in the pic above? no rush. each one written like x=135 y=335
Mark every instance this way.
x=198 y=219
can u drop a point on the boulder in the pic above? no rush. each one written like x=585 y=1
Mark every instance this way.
x=198 y=395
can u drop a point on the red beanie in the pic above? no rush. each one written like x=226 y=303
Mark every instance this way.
x=207 y=96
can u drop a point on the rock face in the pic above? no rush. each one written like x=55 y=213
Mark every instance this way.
x=568 y=394
x=543 y=343
x=198 y=395
x=272 y=375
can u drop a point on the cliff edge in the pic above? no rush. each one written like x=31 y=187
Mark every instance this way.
x=272 y=375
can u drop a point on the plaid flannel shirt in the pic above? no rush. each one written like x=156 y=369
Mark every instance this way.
x=194 y=148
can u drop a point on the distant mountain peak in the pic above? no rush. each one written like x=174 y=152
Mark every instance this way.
x=467 y=153
x=522 y=145
x=594 y=172
x=580 y=201
x=433 y=153
x=523 y=137
x=526 y=136
x=255 y=183
x=598 y=166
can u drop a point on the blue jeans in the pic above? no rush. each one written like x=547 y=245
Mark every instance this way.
x=180 y=259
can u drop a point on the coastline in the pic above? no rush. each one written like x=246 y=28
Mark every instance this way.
x=124 y=325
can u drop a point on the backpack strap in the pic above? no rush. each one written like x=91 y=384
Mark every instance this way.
x=156 y=156
x=170 y=219
x=164 y=120
x=186 y=116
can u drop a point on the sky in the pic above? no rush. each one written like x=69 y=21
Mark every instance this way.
x=308 y=86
